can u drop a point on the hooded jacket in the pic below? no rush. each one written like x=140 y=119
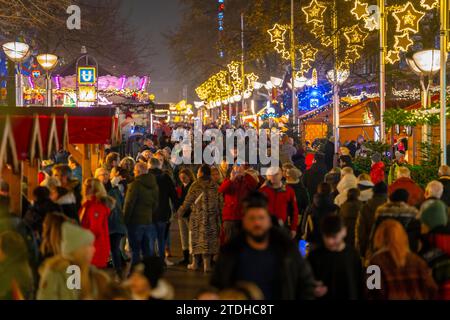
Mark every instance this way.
x=294 y=281
x=347 y=182
x=315 y=176
x=141 y=200
x=282 y=203
x=94 y=216
x=115 y=221
x=234 y=193
x=403 y=213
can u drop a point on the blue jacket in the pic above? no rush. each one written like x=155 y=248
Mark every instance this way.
x=116 y=221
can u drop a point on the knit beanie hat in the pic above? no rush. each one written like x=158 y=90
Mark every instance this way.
x=74 y=237
x=376 y=157
x=433 y=213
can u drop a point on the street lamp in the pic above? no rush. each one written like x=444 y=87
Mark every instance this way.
x=277 y=82
x=337 y=78
x=48 y=61
x=425 y=63
x=17 y=52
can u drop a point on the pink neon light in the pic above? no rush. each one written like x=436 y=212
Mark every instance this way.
x=58 y=82
x=30 y=81
x=144 y=83
x=122 y=85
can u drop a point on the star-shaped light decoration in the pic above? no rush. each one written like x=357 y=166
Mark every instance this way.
x=429 y=4
x=408 y=18
x=314 y=12
x=351 y=55
x=280 y=47
x=318 y=30
x=355 y=36
x=360 y=10
x=308 y=52
x=277 y=33
x=286 y=55
x=251 y=79
x=371 y=23
x=403 y=42
x=393 y=56
x=326 y=41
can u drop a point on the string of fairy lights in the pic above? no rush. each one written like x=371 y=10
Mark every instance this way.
x=227 y=85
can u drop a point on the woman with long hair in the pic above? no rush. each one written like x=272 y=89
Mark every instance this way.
x=404 y=275
x=51 y=235
x=186 y=177
x=94 y=215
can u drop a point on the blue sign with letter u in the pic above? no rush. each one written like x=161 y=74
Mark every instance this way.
x=86 y=75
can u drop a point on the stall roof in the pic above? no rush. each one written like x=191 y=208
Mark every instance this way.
x=35 y=132
x=71 y=68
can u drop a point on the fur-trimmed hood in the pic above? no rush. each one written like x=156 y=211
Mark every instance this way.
x=397 y=209
x=347 y=182
x=68 y=198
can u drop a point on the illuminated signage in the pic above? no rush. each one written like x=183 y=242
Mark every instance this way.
x=87 y=75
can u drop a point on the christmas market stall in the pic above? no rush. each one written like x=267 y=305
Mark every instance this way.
x=30 y=135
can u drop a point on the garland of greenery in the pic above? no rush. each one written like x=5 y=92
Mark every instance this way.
x=398 y=116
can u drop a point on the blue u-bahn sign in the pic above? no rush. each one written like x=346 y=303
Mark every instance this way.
x=87 y=75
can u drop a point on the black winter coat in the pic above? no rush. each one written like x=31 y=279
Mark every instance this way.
x=322 y=206
x=445 y=180
x=167 y=194
x=294 y=281
x=314 y=176
x=35 y=215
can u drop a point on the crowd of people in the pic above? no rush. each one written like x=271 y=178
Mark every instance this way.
x=241 y=228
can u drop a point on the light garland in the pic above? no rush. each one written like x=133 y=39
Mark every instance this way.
x=224 y=85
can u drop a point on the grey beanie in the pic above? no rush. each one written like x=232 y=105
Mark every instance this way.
x=376 y=157
x=74 y=237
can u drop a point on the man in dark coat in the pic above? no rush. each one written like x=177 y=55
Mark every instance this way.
x=163 y=212
x=264 y=256
x=140 y=202
x=316 y=174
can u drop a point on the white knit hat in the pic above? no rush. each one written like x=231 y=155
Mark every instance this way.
x=74 y=237
x=272 y=171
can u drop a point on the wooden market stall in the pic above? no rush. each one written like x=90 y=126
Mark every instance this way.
x=28 y=135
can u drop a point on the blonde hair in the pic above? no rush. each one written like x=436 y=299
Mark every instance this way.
x=391 y=236
x=444 y=170
x=403 y=172
x=364 y=177
x=93 y=187
x=51 y=234
x=98 y=171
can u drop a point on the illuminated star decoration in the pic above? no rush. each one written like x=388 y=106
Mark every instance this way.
x=355 y=36
x=371 y=23
x=393 y=56
x=314 y=12
x=277 y=33
x=308 y=52
x=429 y=4
x=403 y=42
x=280 y=47
x=408 y=18
x=360 y=10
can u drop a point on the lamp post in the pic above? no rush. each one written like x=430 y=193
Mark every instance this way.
x=425 y=63
x=337 y=79
x=17 y=52
x=443 y=79
x=48 y=61
x=383 y=47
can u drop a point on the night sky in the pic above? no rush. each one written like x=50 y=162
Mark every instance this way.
x=155 y=17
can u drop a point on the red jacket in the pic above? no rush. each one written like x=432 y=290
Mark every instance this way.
x=415 y=192
x=234 y=192
x=377 y=172
x=282 y=203
x=94 y=217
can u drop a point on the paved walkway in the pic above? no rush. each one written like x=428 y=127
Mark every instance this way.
x=187 y=283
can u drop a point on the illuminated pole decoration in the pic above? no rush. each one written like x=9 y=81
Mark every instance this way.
x=221 y=28
x=443 y=76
